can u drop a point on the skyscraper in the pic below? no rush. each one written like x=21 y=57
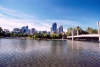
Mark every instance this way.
x=54 y=27
x=6 y=31
x=25 y=30
x=32 y=31
x=16 y=30
x=61 y=29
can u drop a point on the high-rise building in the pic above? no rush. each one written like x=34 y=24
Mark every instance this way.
x=16 y=30
x=54 y=27
x=60 y=29
x=25 y=30
x=44 y=32
x=6 y=31
x=48 y=32
x=32 y=31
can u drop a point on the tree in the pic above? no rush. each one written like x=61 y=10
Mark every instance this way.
x=89 y=30
x=95 y=31
x=25 y=35
x=79 y=30
x=1 y=31
x=44 y=35
x=15 y=34
x=51 y=35
x=60 y=36
x=84 y=32
x=69 y=31
x=35 y=36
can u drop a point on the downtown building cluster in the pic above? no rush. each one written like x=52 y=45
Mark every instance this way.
x=55 y=30
x=26 y=30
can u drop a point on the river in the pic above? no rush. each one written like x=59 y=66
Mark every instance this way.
x=48 y=53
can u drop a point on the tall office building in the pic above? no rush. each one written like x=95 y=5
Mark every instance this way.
x=60 y=29
x=25 y=30
x=32 y=31
x=54 y=27
x=17 y=30
x=6 y=31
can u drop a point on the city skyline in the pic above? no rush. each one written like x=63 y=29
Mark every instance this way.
x=25 y=29
x=54 y=28
x=42 y=13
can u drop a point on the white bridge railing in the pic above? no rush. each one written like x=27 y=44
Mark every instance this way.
x=85 y=35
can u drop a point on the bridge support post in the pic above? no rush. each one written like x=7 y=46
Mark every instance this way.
x=72 y=35
x=99 y=30
x=77 y=33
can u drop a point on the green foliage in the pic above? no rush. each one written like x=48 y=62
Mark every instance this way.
x=91 y=30
x=1 y=31
x=54 y=36
x=34 y=36
x=51 y=35
x=95 y=31
x=47 y=36
x=77 y=29
x=69 y=31
x=25 y=35
x=64 y=36
x=15 y=34
x=44 y=35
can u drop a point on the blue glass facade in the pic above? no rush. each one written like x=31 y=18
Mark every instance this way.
x=25 y=30
x=54 y=27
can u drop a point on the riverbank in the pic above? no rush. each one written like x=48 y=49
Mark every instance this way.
x=49 y=39
x=30 y=38
x=15 y=37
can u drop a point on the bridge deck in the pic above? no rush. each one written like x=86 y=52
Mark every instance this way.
x=87 y=35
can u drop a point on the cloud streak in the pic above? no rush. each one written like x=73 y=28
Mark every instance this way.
x=10 y=19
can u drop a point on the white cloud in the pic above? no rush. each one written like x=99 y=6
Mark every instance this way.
x=64 y=22
x=9 y=21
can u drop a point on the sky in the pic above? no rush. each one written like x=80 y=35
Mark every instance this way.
x=40 y=14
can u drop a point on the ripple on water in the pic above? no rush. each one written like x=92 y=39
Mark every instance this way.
x=32 y=53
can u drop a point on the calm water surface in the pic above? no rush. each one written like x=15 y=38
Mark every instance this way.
x=48 y=53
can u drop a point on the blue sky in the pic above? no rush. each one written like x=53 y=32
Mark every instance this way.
x=40 y=14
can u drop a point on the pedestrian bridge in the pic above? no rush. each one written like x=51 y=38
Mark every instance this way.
x=86 y=36
x=83 y=35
